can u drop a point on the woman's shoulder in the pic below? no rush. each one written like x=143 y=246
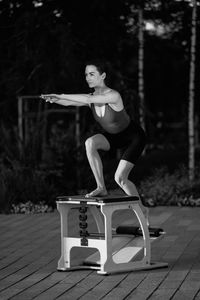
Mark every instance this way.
x=118 y=105
x=114 y=94
x=112 y=91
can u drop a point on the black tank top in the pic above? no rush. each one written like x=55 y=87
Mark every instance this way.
x=112 y=121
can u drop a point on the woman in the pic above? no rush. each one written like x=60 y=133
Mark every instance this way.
x=120 y=131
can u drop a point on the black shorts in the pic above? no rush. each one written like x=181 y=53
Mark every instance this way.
x=131 y=142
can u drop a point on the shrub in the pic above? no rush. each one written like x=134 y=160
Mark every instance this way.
x=165 y=188
x=22 y=185
x=30 y=208
x=28 y=178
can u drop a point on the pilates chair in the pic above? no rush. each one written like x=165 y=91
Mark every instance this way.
x=118 y=250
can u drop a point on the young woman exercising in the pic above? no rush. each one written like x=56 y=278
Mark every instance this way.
x=120 y=132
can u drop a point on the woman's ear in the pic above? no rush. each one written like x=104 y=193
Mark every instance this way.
x=103 y=75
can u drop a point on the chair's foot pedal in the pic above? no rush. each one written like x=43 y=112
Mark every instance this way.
x=137 y=231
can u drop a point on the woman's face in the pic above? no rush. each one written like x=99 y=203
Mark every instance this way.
x=93 y=77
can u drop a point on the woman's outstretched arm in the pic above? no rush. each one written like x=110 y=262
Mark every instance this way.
x=60 y=101
x=85 y=99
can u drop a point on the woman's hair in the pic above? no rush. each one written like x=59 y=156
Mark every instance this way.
x=101 y=65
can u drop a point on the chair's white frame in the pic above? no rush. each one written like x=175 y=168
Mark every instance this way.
x=104 y=245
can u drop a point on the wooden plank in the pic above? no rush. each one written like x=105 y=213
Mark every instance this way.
x=30 y=249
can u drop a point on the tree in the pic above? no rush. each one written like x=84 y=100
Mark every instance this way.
x=191 y=135
x=141 y=67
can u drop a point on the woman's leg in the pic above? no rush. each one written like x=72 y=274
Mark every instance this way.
x=93 y=144
x=121 y=177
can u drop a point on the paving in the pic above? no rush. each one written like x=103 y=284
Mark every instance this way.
x=30 y=249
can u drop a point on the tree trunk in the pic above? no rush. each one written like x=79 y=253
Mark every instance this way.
x=141 y=69
x=191 y=135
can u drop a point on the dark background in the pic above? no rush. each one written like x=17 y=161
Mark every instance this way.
x=43 y=48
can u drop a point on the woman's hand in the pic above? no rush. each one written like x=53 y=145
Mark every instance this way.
x=51 y=97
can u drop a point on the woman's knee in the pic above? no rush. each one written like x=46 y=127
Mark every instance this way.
x=120 y=178
x=90 y=144
x=97 y=142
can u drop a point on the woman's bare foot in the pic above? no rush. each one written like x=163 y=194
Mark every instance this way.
x=99 y=192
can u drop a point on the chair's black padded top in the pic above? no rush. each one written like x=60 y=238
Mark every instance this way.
x=107 y=199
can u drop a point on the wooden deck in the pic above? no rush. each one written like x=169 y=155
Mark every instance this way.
x=30 y=249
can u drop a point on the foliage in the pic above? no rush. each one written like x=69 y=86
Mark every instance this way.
x=44 y=45
x=170 y=188
x=21 y=185
x=26 y=176
x=30 y=208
